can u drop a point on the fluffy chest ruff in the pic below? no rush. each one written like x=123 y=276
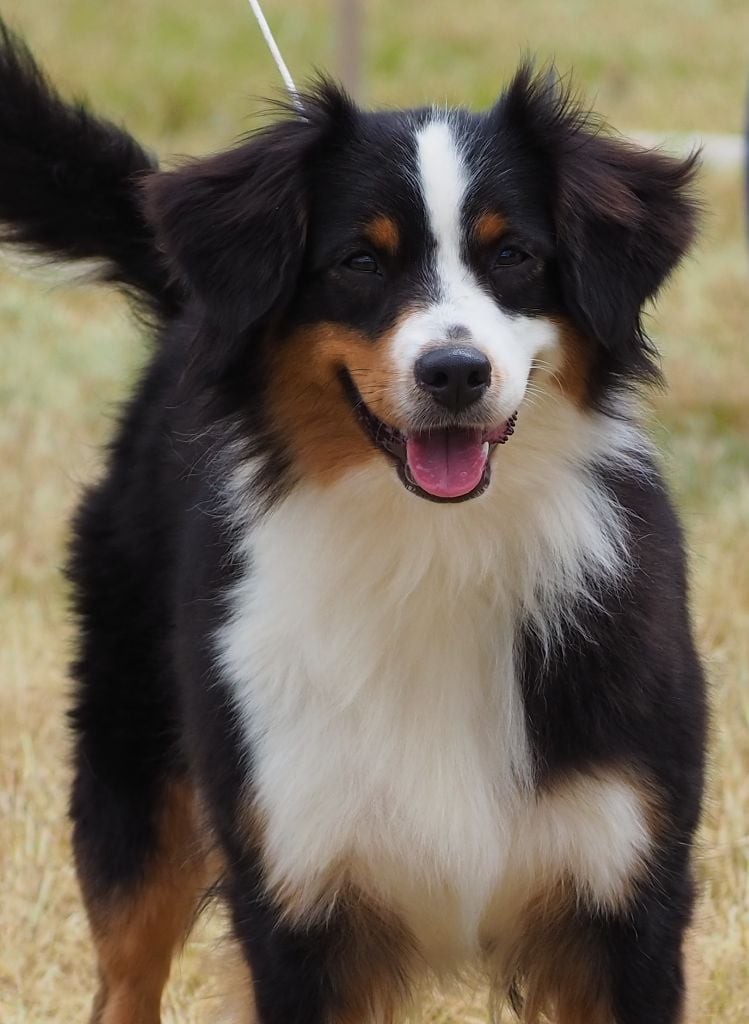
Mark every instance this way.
x=371 y=650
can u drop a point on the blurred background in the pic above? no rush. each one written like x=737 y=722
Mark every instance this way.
x=187 y=79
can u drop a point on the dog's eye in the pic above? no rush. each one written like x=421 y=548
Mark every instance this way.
x=362 y=263
x=509 y=256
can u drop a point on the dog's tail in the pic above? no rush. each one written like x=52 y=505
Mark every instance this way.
x=70 y=183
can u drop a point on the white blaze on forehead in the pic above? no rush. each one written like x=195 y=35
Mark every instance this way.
x=510 y=340
x=444 y=182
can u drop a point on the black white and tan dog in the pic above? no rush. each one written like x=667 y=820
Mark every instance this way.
x=381 y=594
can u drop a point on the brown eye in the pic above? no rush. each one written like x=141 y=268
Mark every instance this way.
x=362 y=263
x=509 y=256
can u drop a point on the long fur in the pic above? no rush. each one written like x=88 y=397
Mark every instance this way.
x=69 y=182
x=429 y=729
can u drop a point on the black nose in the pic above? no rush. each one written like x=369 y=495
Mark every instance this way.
x=454 y=376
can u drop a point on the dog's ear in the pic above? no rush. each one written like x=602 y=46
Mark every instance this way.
x=232 y=227
x=624 y=216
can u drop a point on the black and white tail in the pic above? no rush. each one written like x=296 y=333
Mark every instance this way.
x=70 y=183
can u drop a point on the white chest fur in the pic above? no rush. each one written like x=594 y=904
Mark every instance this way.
x=370 y=651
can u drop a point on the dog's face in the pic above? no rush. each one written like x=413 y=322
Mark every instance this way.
x=388 y=285
x=424 y=298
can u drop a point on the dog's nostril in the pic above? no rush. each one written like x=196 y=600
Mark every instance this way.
x=477 y=378
x=455 y=376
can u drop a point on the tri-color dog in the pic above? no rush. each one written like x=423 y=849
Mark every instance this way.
x=381 y=595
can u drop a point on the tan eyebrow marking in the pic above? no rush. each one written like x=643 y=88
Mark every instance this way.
x=489 y=227
x=383 y=232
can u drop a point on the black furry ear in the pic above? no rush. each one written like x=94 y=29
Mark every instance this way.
x=233 y=226
x=624 y=216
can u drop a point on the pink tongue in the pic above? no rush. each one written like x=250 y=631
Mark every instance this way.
x=447 y=463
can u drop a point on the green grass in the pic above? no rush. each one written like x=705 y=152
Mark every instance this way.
x=186 y=76
x=182 y=78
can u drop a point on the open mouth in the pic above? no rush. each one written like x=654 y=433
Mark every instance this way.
x=443 y=464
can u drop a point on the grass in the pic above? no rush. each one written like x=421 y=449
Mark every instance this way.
x=181 y=76
x=185 y=76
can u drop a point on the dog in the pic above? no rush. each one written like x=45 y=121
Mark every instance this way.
x=381 y=595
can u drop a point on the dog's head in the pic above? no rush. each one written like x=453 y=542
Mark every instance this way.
x=387 y=285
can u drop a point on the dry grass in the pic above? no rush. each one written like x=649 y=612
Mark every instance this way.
x=68 y=356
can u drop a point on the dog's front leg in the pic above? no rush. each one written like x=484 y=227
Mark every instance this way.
x=349 y=967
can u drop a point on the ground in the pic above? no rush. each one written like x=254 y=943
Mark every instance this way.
x=181 y=77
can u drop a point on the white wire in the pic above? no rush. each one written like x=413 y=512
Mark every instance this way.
x=275 y=52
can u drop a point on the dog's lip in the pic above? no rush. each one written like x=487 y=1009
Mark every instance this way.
x=393 y=442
